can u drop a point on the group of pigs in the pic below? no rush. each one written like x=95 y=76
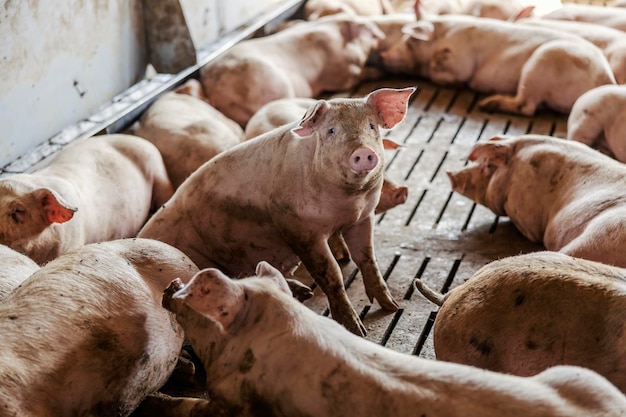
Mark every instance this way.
x=191 y=225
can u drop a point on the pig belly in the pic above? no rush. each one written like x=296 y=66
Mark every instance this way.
x=237 y=246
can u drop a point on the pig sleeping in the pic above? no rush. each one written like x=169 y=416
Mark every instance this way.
x=523 y=314
x=280 y=196
x=86 y=335
x=15 y=269
x=495 y=9
x=598 y=119
x=268 y=355
x=614 y=17
x=558 y=192
x=187 y=131
x=521 y=67
x=102 y=188
x=303 y=60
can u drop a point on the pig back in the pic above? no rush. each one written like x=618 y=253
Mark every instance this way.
x=16 y=267
x=86 y=334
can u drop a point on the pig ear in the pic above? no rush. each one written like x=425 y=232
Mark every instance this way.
x=54 y=208
x=422 y=30
x=312 y=115
x=390 y=105
x=214 y=295
x=524 y=12
x=265 y=270
x=491 y=152
x=390 y=144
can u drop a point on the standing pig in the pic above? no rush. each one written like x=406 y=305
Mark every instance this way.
x=188 y=132
x=303 y=60
x=523 y=314
x=598 y=119
x=538 y=66
x=102 y=188
x=558 y=192
x=280 y=196
x=267 y=355
x=15 y=269
x=86 y=335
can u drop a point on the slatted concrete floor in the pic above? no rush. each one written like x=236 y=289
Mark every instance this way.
x=437 y=235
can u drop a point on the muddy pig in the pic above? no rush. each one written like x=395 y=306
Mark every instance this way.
x=523 y=314
x=314 y=9
x=247 y=332
x=598 y=119
x=281 y=112
x=303 y=60
x=280 y=196
x=545 y=68
x=15 y=269
x=188 y=132
x=561 y=193
x=86 y=335
x=101 y=188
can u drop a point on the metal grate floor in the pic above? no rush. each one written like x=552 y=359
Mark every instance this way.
x=437 y=235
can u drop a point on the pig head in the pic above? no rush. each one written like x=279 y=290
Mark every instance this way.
x=279 y=198
x=267 y=355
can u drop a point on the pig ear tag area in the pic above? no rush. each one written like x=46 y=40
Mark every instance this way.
x=307 y=125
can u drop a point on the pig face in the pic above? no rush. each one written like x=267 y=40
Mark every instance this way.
x=412 y=54
x=26 y=211
x=353 y=142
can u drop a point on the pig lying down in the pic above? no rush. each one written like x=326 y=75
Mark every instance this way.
x=303 y=60
x=314 y=9
x=280 y=196
x=86 y=334
x=268 y=355
x=613 y=17
x=558 y=192
x=102 y=188
x=15 y=269
x=545 y=68
x=188 y=132
x=598 y=119
x=524 y=314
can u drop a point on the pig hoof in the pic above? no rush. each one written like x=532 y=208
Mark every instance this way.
x=300 y=291
x=489 y=105
x=174 y=286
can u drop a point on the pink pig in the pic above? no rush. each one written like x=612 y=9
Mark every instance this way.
x=280 y=196
x=522 y=67
x=188 y=131
x=303 y=60
x=314 y=9
x=15 y=269
x=598 y=119
x=102 y=188
x=558 y=192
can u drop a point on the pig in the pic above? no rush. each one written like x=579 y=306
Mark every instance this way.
x=16 y=267
x=611 y=41
x=281 y=112
x=188 y=131
x=247 y=333
x=598 y=119
x=557 y=192
x=280 y=196
x=86 y=334
x=303 y=60
x=545 y=67
x=614 y=17
x=101 y=188
x=523 y=314
x=314 y=9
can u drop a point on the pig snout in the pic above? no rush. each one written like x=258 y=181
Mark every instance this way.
x=363 y=160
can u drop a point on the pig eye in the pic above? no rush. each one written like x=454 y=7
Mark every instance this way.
x=331 y=131
x=372 y=126
x=16 y=215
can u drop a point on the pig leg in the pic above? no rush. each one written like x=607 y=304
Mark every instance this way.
x=159 y=404
x=320 y=263
x=339 y=248
x=359 y=239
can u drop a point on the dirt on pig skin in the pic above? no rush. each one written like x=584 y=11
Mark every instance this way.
x=309 y=181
